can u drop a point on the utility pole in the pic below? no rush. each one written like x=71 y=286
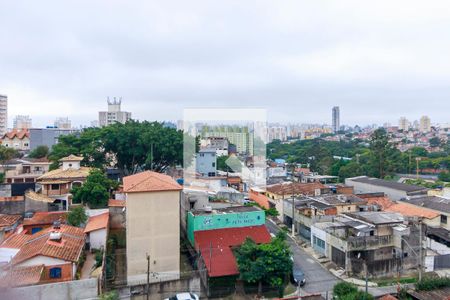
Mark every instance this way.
x=367 y=279
x=420 y=250
x=417 y=167
x=148 y=275
x=293 y=201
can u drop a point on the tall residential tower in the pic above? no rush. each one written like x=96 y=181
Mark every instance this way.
x=3 y=114
x=336 y=122
x=114 y=113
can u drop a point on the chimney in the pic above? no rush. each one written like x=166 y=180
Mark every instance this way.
x=57 y=225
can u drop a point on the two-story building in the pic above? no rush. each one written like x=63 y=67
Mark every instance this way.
x=206 y=162
x=17 y=139
x=58 y=183
x=311 y=209
x=153 y=227
x=379 y=243
x=21 y=170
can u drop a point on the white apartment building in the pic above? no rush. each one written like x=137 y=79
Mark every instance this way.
x=114 y=113
x=403 y=124
x=3 y=114
x=22 y=122
x=425 y=124
x=63 y=123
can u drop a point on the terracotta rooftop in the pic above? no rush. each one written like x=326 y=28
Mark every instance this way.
x=8 y=220
x=72 y=157
x=388 y=297
x=22 y=276
x=412 y=210
x=20 y=134
x=297 y=188
x=60 y=174
x=97 y=222
x=38 y=197
x=149 y=181
x=14 y=198
x=116 y=203
x=383 y=202
x=217 y=244
x=39 y=244
x=46 y=218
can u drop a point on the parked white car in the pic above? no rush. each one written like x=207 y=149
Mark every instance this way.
x=184 y=296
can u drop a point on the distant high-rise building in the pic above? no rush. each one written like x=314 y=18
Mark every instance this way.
x=63 y=123
x=3 y=114
x=425 y=124
x=403 y=124
x=22 y=122
x=114 y=113
x=336 y=122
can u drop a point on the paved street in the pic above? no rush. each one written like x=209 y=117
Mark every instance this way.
x=318 y=279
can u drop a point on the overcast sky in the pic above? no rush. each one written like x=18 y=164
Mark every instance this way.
x=377 y=60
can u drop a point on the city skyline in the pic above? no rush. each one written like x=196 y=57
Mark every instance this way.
x=226 y=55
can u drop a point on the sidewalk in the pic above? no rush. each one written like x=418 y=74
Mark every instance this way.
x=88 y=266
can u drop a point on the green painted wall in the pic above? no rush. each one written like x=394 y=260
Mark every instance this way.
x=219 y=221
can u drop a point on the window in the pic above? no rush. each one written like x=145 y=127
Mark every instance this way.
x=35 y=229
x=213 y=164
x=55 y=187
x=348 y=208
x=55 y=273
x=443 y=219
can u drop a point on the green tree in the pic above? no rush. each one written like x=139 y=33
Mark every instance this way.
x=39 y=152
x=435 y=141
x=267 y=263
x=77 y=216
x=7 y=153
x=348 y=291
x=384 y=157
x=95 y=191
x=349 y=170
x=444 y=176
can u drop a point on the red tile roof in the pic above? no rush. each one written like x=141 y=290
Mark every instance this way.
x=149 y=181
x=8 y=220
x=388 y=297
x=20 y=134
x=384 y=202
x=116 y=203
x=68 y=248
x=46 y=218
x=217 y=244
x=409 y=210
x=22 y=276
x=297 y=188
x=97 y=222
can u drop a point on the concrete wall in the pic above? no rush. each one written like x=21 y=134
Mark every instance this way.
x=12 y=207
x=69 y=290
x=361 y=188
x=153 y=227
x=162 y=290
x=5 y=190
x=97 y=239
x=117 y=217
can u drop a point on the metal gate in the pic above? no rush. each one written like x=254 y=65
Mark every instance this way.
x=338 y=257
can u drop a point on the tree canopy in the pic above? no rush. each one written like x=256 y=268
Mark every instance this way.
x=131 y=147
x=77 y=216
x=266 y=263
x=39 y=152
x=95 y=191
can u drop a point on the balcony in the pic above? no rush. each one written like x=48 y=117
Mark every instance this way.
x=369 y=242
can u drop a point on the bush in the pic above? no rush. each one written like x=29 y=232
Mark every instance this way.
x=342 y=289
x=112 y=295
x=433 y=283
x=77 y=216
x=98 y=258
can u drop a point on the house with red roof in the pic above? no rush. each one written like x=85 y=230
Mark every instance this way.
x=57 y=249
x=153 y=226
x=16 y=139
x=214 y=234
x=43 y=220
x=97 y=231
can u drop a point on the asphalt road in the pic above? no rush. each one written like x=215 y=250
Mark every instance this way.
x=318 y=279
